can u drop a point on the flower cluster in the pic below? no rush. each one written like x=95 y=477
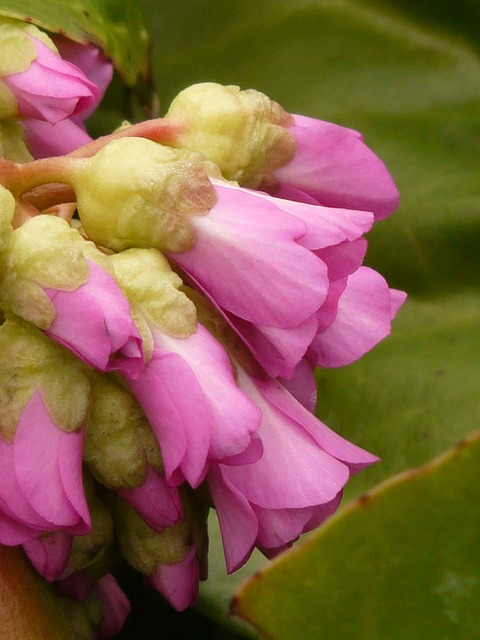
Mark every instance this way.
x=164 y=313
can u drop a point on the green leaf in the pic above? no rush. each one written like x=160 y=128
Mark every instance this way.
x=114 y=25
x=400 y=562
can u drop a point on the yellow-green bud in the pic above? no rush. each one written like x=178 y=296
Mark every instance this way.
x=12 y=139
x=137 y=193
x=43 y=252
x=119 y=444
x=30 y=360
x=142 y=547
x=7 y=211
x=243 y=132
x=150 y=284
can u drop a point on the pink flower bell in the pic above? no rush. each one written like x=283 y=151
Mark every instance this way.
x=292 y=488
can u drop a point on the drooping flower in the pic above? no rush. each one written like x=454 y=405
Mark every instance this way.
x=186 y=388
x=41 y=438
x=292 y=488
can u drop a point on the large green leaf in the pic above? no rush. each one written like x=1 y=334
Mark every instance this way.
x=401 y=562
x=115 y=25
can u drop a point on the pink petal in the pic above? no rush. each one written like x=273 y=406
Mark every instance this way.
x=156 y=502
x=246 y=257
x=333 y=444
x=277 y=350
x=238 y=522
x=302 y=385
x=45 y=140
x=175 y=406
x=344 y=258
x=294 y=470
x=233 y=417
x=363 y=319
x=49 y=554
x=335 y=167
x=13 y=532
x=48 y=468
x=116 y=606
x=51 y=89
x=91 y=61
x=178 y=583
x=93 y=321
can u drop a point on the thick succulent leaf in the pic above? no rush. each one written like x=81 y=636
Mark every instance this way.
x=114 y=25
x=400 y=562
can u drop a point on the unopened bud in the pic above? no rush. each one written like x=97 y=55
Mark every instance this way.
x=149 y=283
x=119 y=442
x=243 y=132
x=137 y=193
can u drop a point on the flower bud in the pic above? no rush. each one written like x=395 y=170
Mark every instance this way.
x=30 y=361
x=149 y=283
x=119 y=442
x=137 y=193
x=144 y=548
x=243 y=132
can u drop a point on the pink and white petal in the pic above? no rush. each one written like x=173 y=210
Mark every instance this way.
x=246 y=244
x=48 y=467
x=94 y=320
x=294 y=471
x=251 y=454
x=49 y=554
x=155 y=501
x=178 y=583
x=335 y=167
x=233 y=416
x=363 y=319
x=116 y=606
x=175 y=406
x=334 y=445
x=237 y=520
x=45 y=140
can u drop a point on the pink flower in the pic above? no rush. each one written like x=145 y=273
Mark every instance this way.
x=94 y=321
x=332 y=166
x=76 y=83
x=292 y=488
x=51 y=89
x=178 y=583
x=278 y=271
x=41 y=489
x=197 y=412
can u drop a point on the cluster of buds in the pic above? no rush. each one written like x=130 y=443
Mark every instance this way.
x=166 y=301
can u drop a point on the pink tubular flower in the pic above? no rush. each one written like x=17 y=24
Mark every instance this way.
x=333 y=167
x=41 y=468
x=189 y=395
x=250 y=241
x=94 y=321
x=295 y=485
